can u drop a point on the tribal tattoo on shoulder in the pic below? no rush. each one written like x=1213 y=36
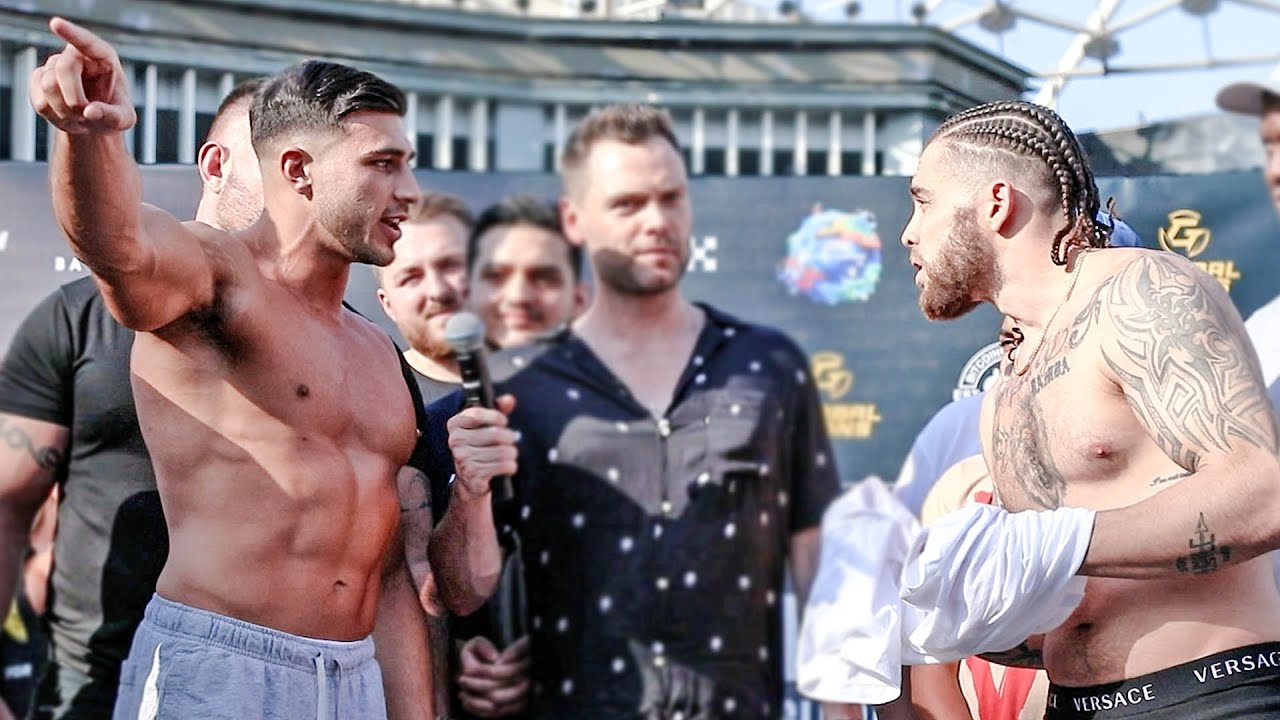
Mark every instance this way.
x=1178 y=350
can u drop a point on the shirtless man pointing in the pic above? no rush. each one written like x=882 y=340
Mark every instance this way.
x=278 y=421
x=1132 y=390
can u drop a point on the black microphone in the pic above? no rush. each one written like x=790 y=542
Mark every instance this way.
x=465 y=334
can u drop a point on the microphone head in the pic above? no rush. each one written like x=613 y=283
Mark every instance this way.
x=464 y=332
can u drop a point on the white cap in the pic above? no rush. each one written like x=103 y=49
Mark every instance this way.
x=1248 y=97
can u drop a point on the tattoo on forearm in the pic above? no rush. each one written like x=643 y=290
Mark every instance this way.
x=1169 y=478
x=1177 y=349
x=415 y=493
x=48 y=458
x=1205 y=554
x=1022 y=656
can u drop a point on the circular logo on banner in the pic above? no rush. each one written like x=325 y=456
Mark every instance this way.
x=833 y=257
x=979 y=372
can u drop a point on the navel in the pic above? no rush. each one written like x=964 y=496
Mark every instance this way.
x=303 y=391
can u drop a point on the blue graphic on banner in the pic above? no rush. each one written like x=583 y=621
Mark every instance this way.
x=833 y=257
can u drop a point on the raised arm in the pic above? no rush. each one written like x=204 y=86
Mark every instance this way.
x=1178 y=349
x=152 y=269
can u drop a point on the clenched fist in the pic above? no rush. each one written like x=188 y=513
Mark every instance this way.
x=82 y=90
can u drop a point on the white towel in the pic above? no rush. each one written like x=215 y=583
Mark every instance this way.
x=889 y=593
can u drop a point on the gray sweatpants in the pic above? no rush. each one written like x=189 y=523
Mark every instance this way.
x=189 y=663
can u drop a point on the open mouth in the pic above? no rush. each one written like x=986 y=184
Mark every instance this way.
x=392 y=223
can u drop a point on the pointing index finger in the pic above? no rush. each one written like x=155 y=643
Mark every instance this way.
x=90 y=45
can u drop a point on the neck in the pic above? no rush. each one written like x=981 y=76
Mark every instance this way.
x=308 y=268
x=1032 y=287
x=440 y=369
x=634 y=318
x=206 y=209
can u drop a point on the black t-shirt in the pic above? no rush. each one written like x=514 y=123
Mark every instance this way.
x=654 y=548
x=69 y=365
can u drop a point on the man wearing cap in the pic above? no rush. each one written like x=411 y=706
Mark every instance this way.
x=1262 y=100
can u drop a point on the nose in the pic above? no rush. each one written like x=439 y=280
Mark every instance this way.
x=518 y=289
x=407 y=190
x=909 y=235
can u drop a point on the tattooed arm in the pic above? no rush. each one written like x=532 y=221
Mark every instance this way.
x=1177 y=348
x=31 y=459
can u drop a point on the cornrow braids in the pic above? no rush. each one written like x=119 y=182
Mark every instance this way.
x=1033 y=131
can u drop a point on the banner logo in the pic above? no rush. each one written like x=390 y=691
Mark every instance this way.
x=1184 y=235
x=853 y=421
x=68 y=264
x=833 y=257
x=830 y=374
x=702 y=254
x=979 y=372
x=1187 y=237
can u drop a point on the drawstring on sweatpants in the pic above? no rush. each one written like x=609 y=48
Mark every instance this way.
x=322 y=689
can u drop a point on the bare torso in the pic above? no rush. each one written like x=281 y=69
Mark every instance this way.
x=1063 y=433
x=276 y=434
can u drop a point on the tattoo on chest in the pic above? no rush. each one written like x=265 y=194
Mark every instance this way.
x=1021 y=450
x=47 y=458
x=1055 y=370
x=1205 y=552
x=1168 y=478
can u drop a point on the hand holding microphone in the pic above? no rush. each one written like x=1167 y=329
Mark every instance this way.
x=484 y=451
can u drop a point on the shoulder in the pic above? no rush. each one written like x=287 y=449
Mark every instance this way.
x=770 y=344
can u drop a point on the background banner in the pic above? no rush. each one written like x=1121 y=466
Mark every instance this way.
x=816 y=257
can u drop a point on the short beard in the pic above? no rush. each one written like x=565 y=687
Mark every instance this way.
x=421 y=339
x=619 y=272
x=963 y=267
x=236 y=207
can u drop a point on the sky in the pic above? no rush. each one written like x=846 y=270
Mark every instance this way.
x=1236 y=29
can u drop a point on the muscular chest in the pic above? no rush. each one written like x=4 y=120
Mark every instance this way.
x=341 y=381
x=1056 y=428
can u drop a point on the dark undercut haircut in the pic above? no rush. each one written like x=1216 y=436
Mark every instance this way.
x=522 y=210
x=317 y=96
x=632 y=124
x=1023 y=132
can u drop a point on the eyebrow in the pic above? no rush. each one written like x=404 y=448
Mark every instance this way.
x=408 y=155
x=917 y=192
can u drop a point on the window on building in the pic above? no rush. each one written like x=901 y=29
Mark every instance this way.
x=784 y=162
x=166 y=135
x=748 y=161
x=461 y=152
x=713 y=161
x=6 y=110
x=426 y=150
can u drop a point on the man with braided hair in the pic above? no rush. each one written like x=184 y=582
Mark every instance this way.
x=1131 y=390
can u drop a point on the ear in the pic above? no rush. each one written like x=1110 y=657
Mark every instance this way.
x=209 y=161
x=1000 y=205
x=295 y=168
x=386 y=305
x=570 y=221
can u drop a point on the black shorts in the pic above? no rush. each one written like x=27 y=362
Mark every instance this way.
x=1242 y=684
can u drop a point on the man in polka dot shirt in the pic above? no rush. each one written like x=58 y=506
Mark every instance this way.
x=668 y=461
